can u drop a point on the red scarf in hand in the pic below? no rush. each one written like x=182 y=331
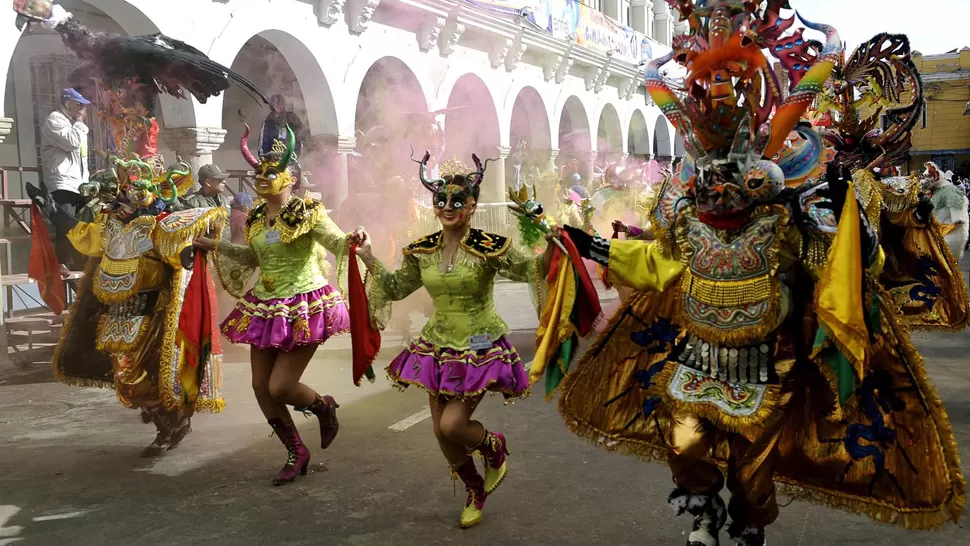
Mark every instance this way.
x=365 y=340
x=44 y=267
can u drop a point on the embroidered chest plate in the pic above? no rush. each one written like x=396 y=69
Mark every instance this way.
x=124 y=245
x=731 y=290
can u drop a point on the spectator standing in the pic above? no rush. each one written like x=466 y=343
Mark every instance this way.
x=212 y=185
x=274 y=127
x=64 y=154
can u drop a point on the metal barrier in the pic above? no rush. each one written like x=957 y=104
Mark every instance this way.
x=493 y=218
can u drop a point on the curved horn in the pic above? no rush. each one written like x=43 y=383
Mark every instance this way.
x=663 y=96
x=244 y=148
x=475 y=178
x=431 y=185
x=290 y=147
x=788 y=114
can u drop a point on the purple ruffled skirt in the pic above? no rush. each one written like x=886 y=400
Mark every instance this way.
x=461 y=374
x=305 y=319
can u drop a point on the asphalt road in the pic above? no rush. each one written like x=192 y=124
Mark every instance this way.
x=71 y=474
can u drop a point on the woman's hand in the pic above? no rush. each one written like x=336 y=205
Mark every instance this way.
x=204 y=243
x=361 y=238
x=620 y=227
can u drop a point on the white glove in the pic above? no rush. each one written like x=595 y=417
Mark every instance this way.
x=58 y=16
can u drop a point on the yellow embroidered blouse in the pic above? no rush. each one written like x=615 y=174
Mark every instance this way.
x=287 y=251
x=464 y=304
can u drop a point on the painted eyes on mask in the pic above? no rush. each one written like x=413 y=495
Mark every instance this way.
x=755 y=184
x=457 y=200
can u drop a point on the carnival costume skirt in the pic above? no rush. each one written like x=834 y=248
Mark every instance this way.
x=286 y=323
x=461 y=374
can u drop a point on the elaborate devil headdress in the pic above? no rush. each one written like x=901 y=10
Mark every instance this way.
x=272 y=165
x=879 y=83
x=730 y=111
x=467 y=182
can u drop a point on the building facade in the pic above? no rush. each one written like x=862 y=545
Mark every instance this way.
x=943 y=135
x=555 y=74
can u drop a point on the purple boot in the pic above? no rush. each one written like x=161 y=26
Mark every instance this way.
x=298 y=456
x=325 y=408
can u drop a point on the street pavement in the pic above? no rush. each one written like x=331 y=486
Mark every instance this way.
x=71 y=474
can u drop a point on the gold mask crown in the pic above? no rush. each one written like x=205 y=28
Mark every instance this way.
x=453 y=167
x=278 y=149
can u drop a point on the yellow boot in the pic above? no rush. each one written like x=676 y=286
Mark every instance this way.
x=471 y=515
x=493 y=450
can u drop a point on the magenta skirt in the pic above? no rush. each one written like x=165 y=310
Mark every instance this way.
x=461 y=374
x=305 y=319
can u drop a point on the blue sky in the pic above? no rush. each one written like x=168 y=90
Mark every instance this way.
x=933 y=26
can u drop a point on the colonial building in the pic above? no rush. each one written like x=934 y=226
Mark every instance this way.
x=943 y=135
x=559 y=75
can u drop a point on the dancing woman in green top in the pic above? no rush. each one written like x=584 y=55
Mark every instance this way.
x=463 y=351
x=292 y=308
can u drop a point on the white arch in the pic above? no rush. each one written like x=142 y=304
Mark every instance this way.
x=309 y=54
x=638 y=133
x=443 y=94
x=363 y=62
x=662 y=138
x=516 y=86
x=618 y=139
x=557 y=117
x=543 y=126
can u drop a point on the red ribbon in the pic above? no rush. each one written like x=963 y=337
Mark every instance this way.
x=365 y=340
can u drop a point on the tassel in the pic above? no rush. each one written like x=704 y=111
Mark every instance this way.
x=301 y=327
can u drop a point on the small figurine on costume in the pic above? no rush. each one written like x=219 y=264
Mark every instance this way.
x=949 y=207
x=463 y=351
x=865 y=117
x=745 y=357
x=144 y=319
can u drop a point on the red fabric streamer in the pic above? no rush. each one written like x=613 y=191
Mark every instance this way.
x=43 y=266
x=587 y=300
x=198 y=316
x=365 y=340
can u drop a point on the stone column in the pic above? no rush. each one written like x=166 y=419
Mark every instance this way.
x=194 y=145
x=6 y=125
x=611 y=8
x=494 y=189
x=339 y=186
x=553 y=154
x=662 y=23
x=641 y=16
x=590 y=168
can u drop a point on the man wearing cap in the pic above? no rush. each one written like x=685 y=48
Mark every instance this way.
x=64 y=156
x=212 y=181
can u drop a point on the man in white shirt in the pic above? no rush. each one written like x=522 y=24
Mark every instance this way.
x=64 y=156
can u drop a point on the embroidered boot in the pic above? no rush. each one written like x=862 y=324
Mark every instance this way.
x=471 y=515
x=325 y=409
x=709 y=516
x=298 y=456
x=493 y=450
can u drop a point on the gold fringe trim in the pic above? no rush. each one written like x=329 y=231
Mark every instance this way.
x=310 y=210
x=727 y=293
x=170 y=244
x=84 y=285
x=117 y=346
x=117 y=297
x=770 y=402
x=735 y=335
x=913 y=519
x=210 y=405
x=167 y=367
